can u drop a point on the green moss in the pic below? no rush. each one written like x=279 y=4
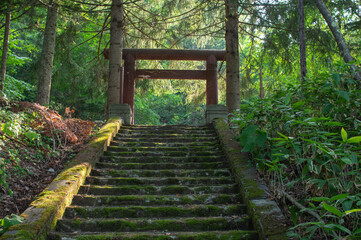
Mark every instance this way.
x=51 y=203
x=232 y=235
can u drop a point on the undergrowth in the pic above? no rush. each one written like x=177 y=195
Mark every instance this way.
x=305 y=141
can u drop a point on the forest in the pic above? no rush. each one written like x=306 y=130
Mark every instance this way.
x=297 y=76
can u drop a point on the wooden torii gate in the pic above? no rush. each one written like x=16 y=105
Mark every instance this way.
x=130 y=73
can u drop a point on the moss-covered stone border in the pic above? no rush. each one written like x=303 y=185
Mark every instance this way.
x=43 y=213
x=266 y=216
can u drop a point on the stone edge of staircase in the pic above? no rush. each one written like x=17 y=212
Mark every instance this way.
x=43 y=213
x=267 y=217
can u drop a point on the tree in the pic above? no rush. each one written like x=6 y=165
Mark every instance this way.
x=341 y=43
x=115 y=58
x=47 y=56
x=301 y=17
x=232 y=56
x=5 y=51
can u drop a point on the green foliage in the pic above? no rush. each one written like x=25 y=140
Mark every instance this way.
x=9 y=221
x=17 y=126
x=15 y=89
x=166 y=109
x=313 y=136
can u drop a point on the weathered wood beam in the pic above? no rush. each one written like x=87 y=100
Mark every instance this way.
x=170 y=74
x=172 y=54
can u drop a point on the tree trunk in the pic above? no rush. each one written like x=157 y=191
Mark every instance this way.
x=232 y=56
x=341 y=43
x=5 y=52
x=115 y=82
x=301 y=17
x=261 y=89
x=47 y=55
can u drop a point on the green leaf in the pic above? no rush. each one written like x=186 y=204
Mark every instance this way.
x=332 y=209
x=344 y=95
x=338 y=226
x=284 y=136
x=346 y=160
x=320 y=199
x=327 y=108
x=339 y=196
x=344 y=135
x=9 y=221
x=352 y=211
x=288 y=98
x=353 y=158
x=336 y=77
x=354 y=139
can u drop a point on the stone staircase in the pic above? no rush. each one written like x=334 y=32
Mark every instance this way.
x=158 y=182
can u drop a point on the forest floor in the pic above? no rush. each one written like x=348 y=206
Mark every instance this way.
x=35 y=145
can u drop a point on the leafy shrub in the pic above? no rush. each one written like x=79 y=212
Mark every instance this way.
x=306 y=139
x=15 y=89
x=9 y=221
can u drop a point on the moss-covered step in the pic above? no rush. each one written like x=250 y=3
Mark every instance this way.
x=161 y=159
x=164 y=211
x=166 y=127
x=160 y=166
x=162 y=136
x=158 y=181
x=155 y=200
x=165 y=153
x=164 y=149
x=153 y=224
x=164 y=235
x=164 y=144
x=153 y=190
x=125 y=131
x=162 y=173
x=167 y=140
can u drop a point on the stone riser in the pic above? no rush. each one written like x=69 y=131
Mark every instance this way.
x=197 y=149
x=160 y=166
x=167 y=159
x=155 y=211
x=166 y=140
x=166 y=128
x=209 y=235
x=161 y=173
x=155 y=200
x=121 y=181
x=140 y=225
x=154 y=190
x=164 y=144
x=164 y=131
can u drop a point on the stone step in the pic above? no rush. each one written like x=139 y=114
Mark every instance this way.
x=157 y=190
x=162 y=173
x=128 y=131
x=160 y=166
x=160 y=154
x=166 y=139
x=162 y=159
x=164 y=149
x=151 y=224
x=162 y=235
x=158 y=183
x=155 y=211
x=121 y=181
x=164 y=144
x=166 y=127
x=160 y=135
x=155 y=200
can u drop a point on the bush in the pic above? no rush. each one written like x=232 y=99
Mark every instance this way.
x=306 y=140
